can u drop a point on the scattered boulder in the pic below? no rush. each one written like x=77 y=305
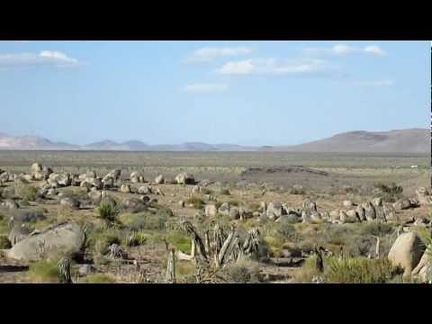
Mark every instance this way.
x=352 y=216
x=27 y=177
x=407 y=251
x=389 y=212
x=125 y=188
x=5 y=177
x=185 y=178
x=224 y=209
x=405 y=203
x=18 y=233
x=181 y=203
x=421 y=221
x=377 y=202
x=108 y=182
x=39 y=176
x=275 y=210
x=343 y=217
x=210 y=210
x=310 y=206
x=234 y=213
x=56 y=241
x=70 y=202
x=361 y=213
x=424 y=268
x=348 y=203
x=91 y=174
x=370 y=212
x=145 y=190
x=137 y=177
x=159 y=179
x=423 y=196
x=36 y=167
x=9 y=204
x=334 y=216
x=133 y=205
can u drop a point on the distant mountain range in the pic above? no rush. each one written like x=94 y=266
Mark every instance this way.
x=416 y=140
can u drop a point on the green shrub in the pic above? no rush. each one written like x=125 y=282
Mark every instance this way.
x=234 y=203
x=225 y=192
x=180 y=240
x=135 y=239
x=377 y=229
x=97 y=278
x=197 y=203
x=107 y=212
x=388 y=193
x=44 y=271
x=4 y=242
x=27 y=193
x=287 y=230
x=359 y=270
x=307 y=271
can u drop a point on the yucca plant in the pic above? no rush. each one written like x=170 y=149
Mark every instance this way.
x=108 y=212
x=359 y=270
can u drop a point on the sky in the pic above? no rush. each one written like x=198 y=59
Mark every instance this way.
x=238 y=92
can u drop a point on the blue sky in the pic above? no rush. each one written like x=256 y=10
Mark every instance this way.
x=248 y=92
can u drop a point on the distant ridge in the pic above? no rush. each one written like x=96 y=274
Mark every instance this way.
x=415 y=140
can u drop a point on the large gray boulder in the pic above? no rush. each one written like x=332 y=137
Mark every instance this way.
x=59 y=240
x=18 y=233
x=133 y=205
x=407 y=251
x=63 y=239
x=424 y=268
x=70 y=202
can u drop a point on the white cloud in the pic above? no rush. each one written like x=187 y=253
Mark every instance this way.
x=374 y=50
x=44 y=58
x=273 y=66
x=375 y=83
x=205 y=88
x=208 y=54
x=342 y=49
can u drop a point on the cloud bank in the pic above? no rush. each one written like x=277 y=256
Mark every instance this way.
x=343 y=50
x=271 y=66
x=209 y=54
x=44 y=58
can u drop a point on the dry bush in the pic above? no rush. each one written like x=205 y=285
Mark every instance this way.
x=242 y=271
x=44 y=271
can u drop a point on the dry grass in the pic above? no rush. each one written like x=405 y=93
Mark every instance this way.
x=359 y=174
